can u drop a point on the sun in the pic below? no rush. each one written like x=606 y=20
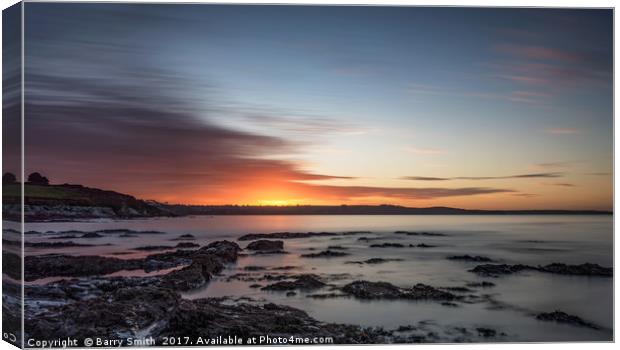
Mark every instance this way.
x=275 y=202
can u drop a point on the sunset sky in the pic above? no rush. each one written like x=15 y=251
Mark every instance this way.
x=471 y=108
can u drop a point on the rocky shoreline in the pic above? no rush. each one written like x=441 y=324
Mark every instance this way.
x=84 y=301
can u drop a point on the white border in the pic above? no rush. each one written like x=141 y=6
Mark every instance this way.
x=479 y=3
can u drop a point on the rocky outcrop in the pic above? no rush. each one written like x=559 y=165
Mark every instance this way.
x=474 y=258
x=563 y=317
x=587 y=269
x=266 y=245
x=284 y=235
x=384 y=290
x=303 y=282
x=325 y=254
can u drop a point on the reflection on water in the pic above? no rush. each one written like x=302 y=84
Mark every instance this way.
x=531 y=240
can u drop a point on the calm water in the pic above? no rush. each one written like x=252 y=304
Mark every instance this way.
x=529 y=240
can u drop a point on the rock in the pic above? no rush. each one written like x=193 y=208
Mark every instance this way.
x=586 y=269
x=483 y=284
x=266 y=245
x=450 y=304
x=284 y=235
x=422 y=245
x=303 y=282
x=372 y=290
x=336 y=247
x=291 y=294
x=55 y=244
x=563 y=317
x=154 y=247
x=75 y=266
x=91 y=235
x=486 y=332
x=413 y=233
x=476 y=258
x=211 y=318
x=185 y=237
x=326 y=296
x=256 y=285
x=384 y=290
x=493 y=270
x=387 y=245
x=325 y=254
x=254 y=268
x=373 y=261
x=270 y=252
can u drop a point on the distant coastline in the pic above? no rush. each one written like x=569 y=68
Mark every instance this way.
x=68 y=202
x=184 y=210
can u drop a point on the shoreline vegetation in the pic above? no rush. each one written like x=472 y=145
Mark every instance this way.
x=68 y=202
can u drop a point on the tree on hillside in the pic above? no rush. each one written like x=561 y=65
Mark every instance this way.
x=38 y=179
x=9 y=178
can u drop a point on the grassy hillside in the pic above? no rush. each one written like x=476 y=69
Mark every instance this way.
x=44 y=198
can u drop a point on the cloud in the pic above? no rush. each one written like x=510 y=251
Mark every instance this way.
x=130 y=138
x=545 y=66
x=565 y=164
x=562 y=131
x=305 y=124
x=520 y=176
x=564 y=184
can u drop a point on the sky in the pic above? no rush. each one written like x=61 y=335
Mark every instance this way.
x=286 y=105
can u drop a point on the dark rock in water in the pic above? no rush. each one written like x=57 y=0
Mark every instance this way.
x=41 y=266
x=284 y=268
x=325 y=254
x=119 y=311
x=372 y=290
x=486 y=332
x=154 y=247
x=387 y=245
x=384 y=290
x=493 y=270
x=586 y=269
x=291 y=294
x=91 y=235
x=55 y=244
x=303 y=282
x=483 y=284
x=254 y=268
x=563 y=317
x=210 y=318
x=336 y=247
x=373 y=261
x=127 y=235
x=266 y=245
x=206 y=262
x=187 y=245
x=256 y=285
x=326 y=296
x=185 y=237
x=421 y=245
x=475 y=258
x=64 y=237
x=458 y=289
x=413 y=233
x=284 y=235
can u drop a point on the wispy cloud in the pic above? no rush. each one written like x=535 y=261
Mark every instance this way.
x=564 y=164
x=563 y=184
x=476 y=178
